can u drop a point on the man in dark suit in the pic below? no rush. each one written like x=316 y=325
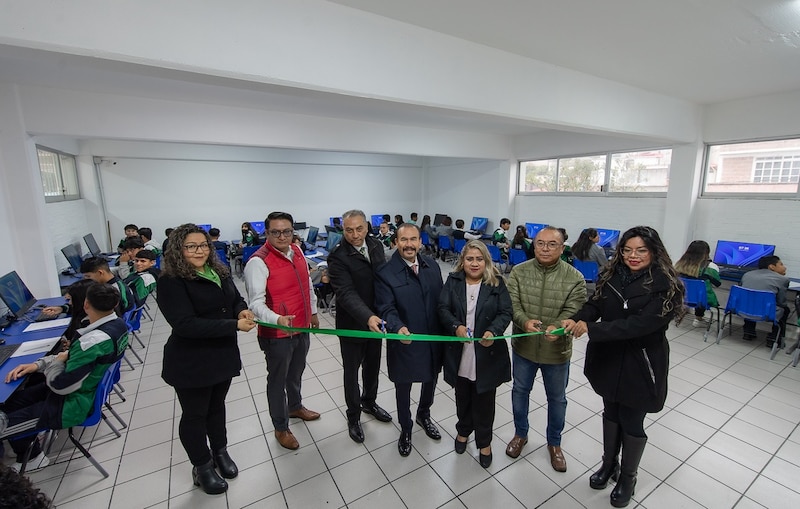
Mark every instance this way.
x=351 y=267
x=407 y=292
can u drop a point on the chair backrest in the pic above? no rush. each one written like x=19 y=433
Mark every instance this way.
x=458 y=245
x=223 y=257
x=133 y=318
x=588 y=269
x=104 y=388
x=516 y=256
x=444 y=243
x=425 y=238
x=247 y=252
x=495 y=252
x=755 y=305
x=696 y=295
x=158 y=262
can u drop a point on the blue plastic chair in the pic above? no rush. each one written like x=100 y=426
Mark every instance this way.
x=445 y=246
x=247 y=252
x=755 y=305
x=696 y=296
x=494 y=251
x=588 y=269
x=458 y=245
x=223 y=257
x=425 y=239
x=516 y=256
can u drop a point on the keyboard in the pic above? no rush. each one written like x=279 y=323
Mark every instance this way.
x=41 y=317
x=7 y=351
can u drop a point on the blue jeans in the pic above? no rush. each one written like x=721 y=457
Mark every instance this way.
x=556 y=377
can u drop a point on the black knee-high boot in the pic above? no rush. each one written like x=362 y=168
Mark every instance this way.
x=632 y=450
x=609 y=469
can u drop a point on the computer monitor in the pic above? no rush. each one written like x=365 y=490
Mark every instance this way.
x=259 y=227
x=376 y=220
x=312 y=235
x=741 y=254
x=92 y=245
x=299 y=226
x=438 y=219
x=72 y=253
x=333 y=239
x=533 y=228
x=205 y=227
x=336 y=224
x=15 y=294
x=608 y=238
x=479 y=224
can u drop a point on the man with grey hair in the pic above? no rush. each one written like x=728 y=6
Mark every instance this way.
x=351 y=267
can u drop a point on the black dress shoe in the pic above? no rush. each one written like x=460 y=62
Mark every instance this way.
x=404 y=444
x=485 y=459
x=460 y=446
x=227 y=468
x=430 y=428
x=207 y=478
x=356 y=433
x=377 y=412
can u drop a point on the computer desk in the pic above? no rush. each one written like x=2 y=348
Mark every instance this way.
x=14 y=334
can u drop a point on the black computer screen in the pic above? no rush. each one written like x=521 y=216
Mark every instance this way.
x=312 y=235
x=438 y=219
x=72 y=253
x=15 y=294
x=92 y=245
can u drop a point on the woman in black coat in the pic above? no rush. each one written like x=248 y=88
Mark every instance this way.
x=627 y=356
x=475 y=303
x=204 y=308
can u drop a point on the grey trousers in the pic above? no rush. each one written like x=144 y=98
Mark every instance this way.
x=286 y=361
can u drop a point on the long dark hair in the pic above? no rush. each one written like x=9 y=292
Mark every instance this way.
x=521 y=233
x=582 y=246
x=695 y=259
x=659 y=261
x=426 y=220
x=174 y=262
x=77 y=294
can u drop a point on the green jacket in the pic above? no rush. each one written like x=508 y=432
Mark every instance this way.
x=549 y=294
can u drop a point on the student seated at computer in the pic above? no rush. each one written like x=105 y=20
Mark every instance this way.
x=586 y=249
x=388 y=220
x=143 y=282
x=214 y=233
x=123 y=266
x=249 y=236
x=166 y=239
x=97 y=270
x=385 y=235
x=131 y=230
x=522 y=241
x=147 y=237
x=70 y=377
x=771 y=277
x=460 y=234
x=696 y=264
x=499 y=238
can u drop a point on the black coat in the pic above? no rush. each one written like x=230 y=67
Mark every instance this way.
x=201 y=350
x=493 y=313
x=353 y=281
x=406 y=299
x=627 y=357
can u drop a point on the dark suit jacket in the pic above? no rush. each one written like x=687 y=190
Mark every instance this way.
x=493 y=313
x=353 y=281
x=202 y=349
x=406 y=299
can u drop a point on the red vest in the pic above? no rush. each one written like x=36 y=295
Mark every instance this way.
x=287 y=288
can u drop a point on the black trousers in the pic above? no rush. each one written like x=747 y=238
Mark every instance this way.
x=402 y=393
x=750 y=326
x=203 y=420
x=475 y=411
x=367 y=356
x=34 y=407
x=631 y=420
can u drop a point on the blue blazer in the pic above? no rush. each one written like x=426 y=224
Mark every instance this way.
x=405 y=299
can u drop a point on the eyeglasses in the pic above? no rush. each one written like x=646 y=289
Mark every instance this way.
x=640 y=252
x=193 y=248
x=549 y=245
x=278 y=233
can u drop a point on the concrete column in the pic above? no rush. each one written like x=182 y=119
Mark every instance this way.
x=685 y=178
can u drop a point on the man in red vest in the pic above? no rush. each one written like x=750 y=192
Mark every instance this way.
x=280 y=291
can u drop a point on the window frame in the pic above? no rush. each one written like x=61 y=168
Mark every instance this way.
x=605 y=186
x=60 y=176
x=703 y=193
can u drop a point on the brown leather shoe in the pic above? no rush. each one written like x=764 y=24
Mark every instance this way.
x=557 y=459
x=286 y=439
x=515 y=446
x=305 y=414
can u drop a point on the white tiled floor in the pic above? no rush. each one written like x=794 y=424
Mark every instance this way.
x=728 y=437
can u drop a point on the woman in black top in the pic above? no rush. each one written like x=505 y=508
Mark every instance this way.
x=627 y=356
x=199 y=300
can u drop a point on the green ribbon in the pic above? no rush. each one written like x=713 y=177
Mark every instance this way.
x=400 y=337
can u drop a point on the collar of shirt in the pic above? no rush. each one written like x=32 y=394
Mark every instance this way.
x=410 y=264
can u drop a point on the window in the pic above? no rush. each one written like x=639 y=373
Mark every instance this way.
x=760 y=167
x=612 y=172
x=59 y=175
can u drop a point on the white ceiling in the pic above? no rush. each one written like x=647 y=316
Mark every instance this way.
x=705 y=51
